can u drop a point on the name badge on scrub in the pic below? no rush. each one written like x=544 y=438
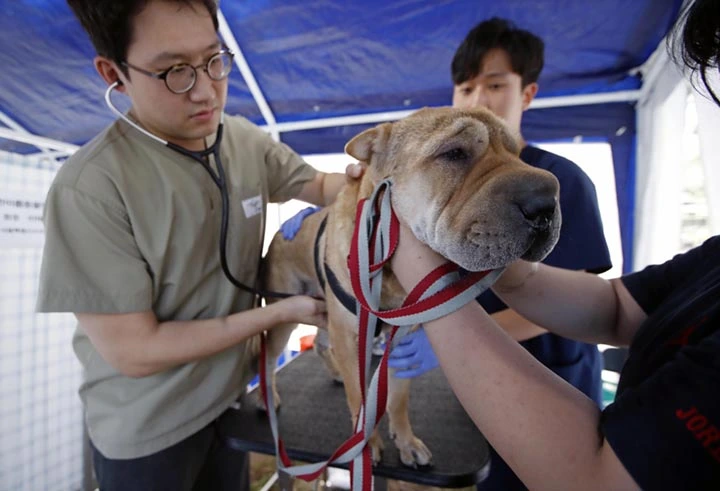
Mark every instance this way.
x=253 y=206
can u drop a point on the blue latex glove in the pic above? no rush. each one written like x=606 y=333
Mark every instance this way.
x=413 y=355
x=291 y=227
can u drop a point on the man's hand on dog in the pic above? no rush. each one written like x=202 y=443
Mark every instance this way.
x=301 y=309
x=412 y=259
x=413 y=355
x=291 y=227
x=353 y=172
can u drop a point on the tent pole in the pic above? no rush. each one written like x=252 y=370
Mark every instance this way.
x=248 y=75
x=14 y=125
x=38 y=141
x=340 y=121
x=585 y=99
x=543 y=102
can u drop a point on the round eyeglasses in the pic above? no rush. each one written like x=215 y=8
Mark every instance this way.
x=181 y=78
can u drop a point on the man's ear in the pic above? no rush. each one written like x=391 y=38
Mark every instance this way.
x=109 y=72
x=528 y=94
x=369 y=142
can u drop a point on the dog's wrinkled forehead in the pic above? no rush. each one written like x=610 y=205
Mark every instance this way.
x=439 y=125
x=429 y=129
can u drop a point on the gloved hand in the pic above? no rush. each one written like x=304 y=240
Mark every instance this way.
x=291 y=227
x=413 y=355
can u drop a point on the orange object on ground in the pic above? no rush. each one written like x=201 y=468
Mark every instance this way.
x=307 y=342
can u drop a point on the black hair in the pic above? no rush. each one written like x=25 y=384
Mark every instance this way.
x=525 y=49
x=109 y=23
x=695 y=40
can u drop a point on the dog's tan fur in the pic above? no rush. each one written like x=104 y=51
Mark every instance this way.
x=458 y=183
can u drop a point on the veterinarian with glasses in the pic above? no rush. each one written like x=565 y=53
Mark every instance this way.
x=133 y=224
x=662 y=430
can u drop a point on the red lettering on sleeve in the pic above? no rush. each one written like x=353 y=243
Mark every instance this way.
x=682 y=415
x=702 y=429
x=708 y=436
x=696 y=423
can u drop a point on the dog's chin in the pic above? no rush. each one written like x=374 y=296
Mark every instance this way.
x=538 y=250
x=477 y=258
x=485 y=256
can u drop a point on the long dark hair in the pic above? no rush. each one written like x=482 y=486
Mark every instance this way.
x=695 y=40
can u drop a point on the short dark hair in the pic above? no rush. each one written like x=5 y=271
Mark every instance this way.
x=695 y=40
x=109 y=23
x=525 y=49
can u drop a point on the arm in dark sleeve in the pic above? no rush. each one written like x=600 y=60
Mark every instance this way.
x=666 y=430
x=653 y=284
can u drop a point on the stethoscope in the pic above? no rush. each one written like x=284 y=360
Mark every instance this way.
x=201 y=156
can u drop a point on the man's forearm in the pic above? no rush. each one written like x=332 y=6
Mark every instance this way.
x=332 y=184
x=521 y=406
x=517 y=326
x=516 y=402
x=176 y=342
x=573 y=304
x=137 y=345
x=324 y=188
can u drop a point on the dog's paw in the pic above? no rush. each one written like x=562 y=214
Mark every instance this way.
x=377 y=446
x=413 y=453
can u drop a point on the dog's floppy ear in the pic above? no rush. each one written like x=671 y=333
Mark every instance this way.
x=369 y=142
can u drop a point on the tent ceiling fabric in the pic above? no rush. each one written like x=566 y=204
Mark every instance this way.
x=322 y=58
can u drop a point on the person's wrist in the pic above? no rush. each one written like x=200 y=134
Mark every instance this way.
x=281 y=312
x=410 y=267
x=515 y=276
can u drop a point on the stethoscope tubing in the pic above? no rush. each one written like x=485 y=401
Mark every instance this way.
x=218 y=178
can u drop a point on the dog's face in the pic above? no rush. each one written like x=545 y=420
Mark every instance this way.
x=458 y=183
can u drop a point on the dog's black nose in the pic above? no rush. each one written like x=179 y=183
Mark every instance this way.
x=538 y=210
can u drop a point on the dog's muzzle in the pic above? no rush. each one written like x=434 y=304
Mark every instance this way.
x=538 y=211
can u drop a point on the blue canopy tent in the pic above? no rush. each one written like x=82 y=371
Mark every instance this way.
x=316 y=72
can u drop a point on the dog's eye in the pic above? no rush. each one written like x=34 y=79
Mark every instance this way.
x=455 y=154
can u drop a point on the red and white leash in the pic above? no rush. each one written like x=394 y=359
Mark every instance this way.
x=441 y=292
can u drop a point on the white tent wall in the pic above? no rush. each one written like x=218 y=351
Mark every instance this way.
x=660 y=121
x=709 y=129
x=41 y=419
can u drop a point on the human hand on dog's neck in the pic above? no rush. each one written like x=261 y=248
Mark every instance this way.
x=413 y=260
x=515 y=276
x=354 y=172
